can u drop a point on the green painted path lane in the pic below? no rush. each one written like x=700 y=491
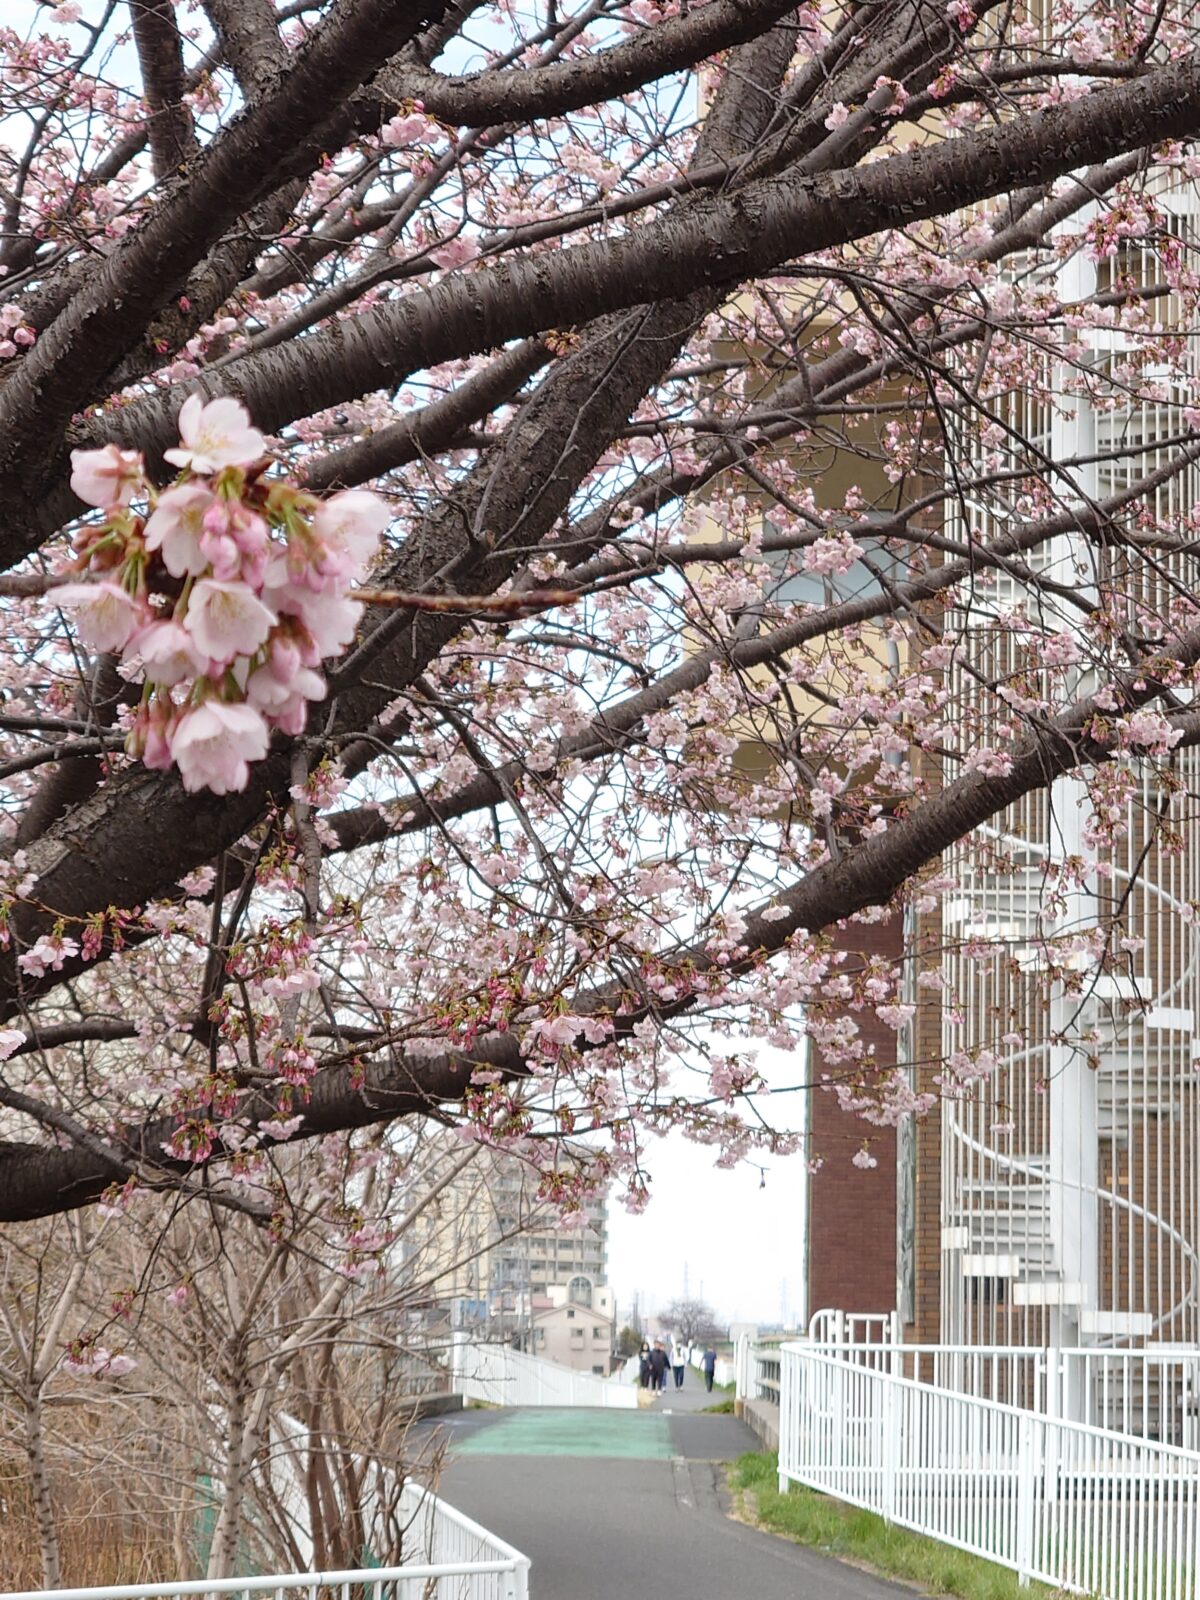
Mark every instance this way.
x=546 y=1431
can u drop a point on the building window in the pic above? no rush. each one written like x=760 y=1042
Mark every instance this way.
x=579 y=1291
x=599 y=1371
x=570 y=1316
x=599 y=1332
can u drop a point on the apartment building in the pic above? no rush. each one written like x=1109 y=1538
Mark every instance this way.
x=1070 y=1178
x=486 y=1253
x=1057 y=1199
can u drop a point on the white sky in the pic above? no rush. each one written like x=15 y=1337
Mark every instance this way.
x=742 y=1242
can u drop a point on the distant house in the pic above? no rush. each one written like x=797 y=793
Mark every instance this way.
x=576 y=1325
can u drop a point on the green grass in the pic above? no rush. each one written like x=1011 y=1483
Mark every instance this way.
x=725 y=1407
x=836 y=1529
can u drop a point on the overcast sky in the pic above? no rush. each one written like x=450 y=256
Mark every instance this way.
x=740 y=1241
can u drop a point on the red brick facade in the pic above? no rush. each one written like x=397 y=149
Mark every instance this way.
x=852 y=1210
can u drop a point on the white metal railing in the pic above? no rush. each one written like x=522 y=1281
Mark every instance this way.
x=1153 y=1393
x=1081 y=1508
x=756 y=1371
x=831 y=1326
x=500 y=1578
x=501 y=1376
x=440 y=1533
x=455 y=1559
x=767 y=1372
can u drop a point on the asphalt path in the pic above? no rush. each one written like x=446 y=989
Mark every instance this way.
x=616 y=1505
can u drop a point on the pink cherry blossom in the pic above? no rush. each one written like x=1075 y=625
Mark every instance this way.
x=236 y=541
x=415 y=128
x=284 y=656
x=175 y=528
x=167 y=652
x=350 y=526
x=227 y=620
x=99 y=1362
x=156 y=725
x=108 y=477
x=331 y=619
x=11 y=1039
x=455 y=253
x=47 y=955
x=214 y=744
x=215 y=435
x=283 y=701
x=281 y=1127
x=105 y=614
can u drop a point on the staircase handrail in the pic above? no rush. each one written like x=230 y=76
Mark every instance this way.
x=1118 y=1201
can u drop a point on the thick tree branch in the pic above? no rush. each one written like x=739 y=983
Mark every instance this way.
x=519 y=94
x=273 y=140
x=705 y=244
x=169 y=129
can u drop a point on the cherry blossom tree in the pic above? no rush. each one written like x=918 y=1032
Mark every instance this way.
x=181 y=1386
x=520 y=522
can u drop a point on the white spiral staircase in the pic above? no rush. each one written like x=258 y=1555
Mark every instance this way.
x=1004 y=1213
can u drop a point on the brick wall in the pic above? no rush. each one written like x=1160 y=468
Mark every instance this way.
x=852 y=1210
x=927 y=1051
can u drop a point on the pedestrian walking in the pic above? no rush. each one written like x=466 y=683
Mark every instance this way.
x=708 y=1362
x=644 y=1365
x=678 y=1361
x=658 y=1367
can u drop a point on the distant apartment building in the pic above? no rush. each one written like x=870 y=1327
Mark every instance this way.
x=487 y=1254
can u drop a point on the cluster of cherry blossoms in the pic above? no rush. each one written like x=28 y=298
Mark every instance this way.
x=223 y=596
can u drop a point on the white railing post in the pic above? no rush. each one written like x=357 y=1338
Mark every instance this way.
x=787 y=1381
x=458 y=1345
x=1052 y=1400
x=889 y=1422
x=1025 y=1497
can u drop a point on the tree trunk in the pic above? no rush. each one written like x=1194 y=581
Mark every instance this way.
x=43 y=1500
x=223 y=1555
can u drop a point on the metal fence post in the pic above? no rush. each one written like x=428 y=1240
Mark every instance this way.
x=889 y=1455
x=1025 y=1498
x=787 y=1423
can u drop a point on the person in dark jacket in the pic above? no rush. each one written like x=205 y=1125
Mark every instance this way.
x=708 y=1363
x=644 y=1366
x=658 y=1367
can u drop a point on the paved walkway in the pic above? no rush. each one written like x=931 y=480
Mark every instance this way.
x=616 y=1505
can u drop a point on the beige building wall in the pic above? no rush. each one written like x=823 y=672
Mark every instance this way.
x=577 y=1336
x=485 y=1246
